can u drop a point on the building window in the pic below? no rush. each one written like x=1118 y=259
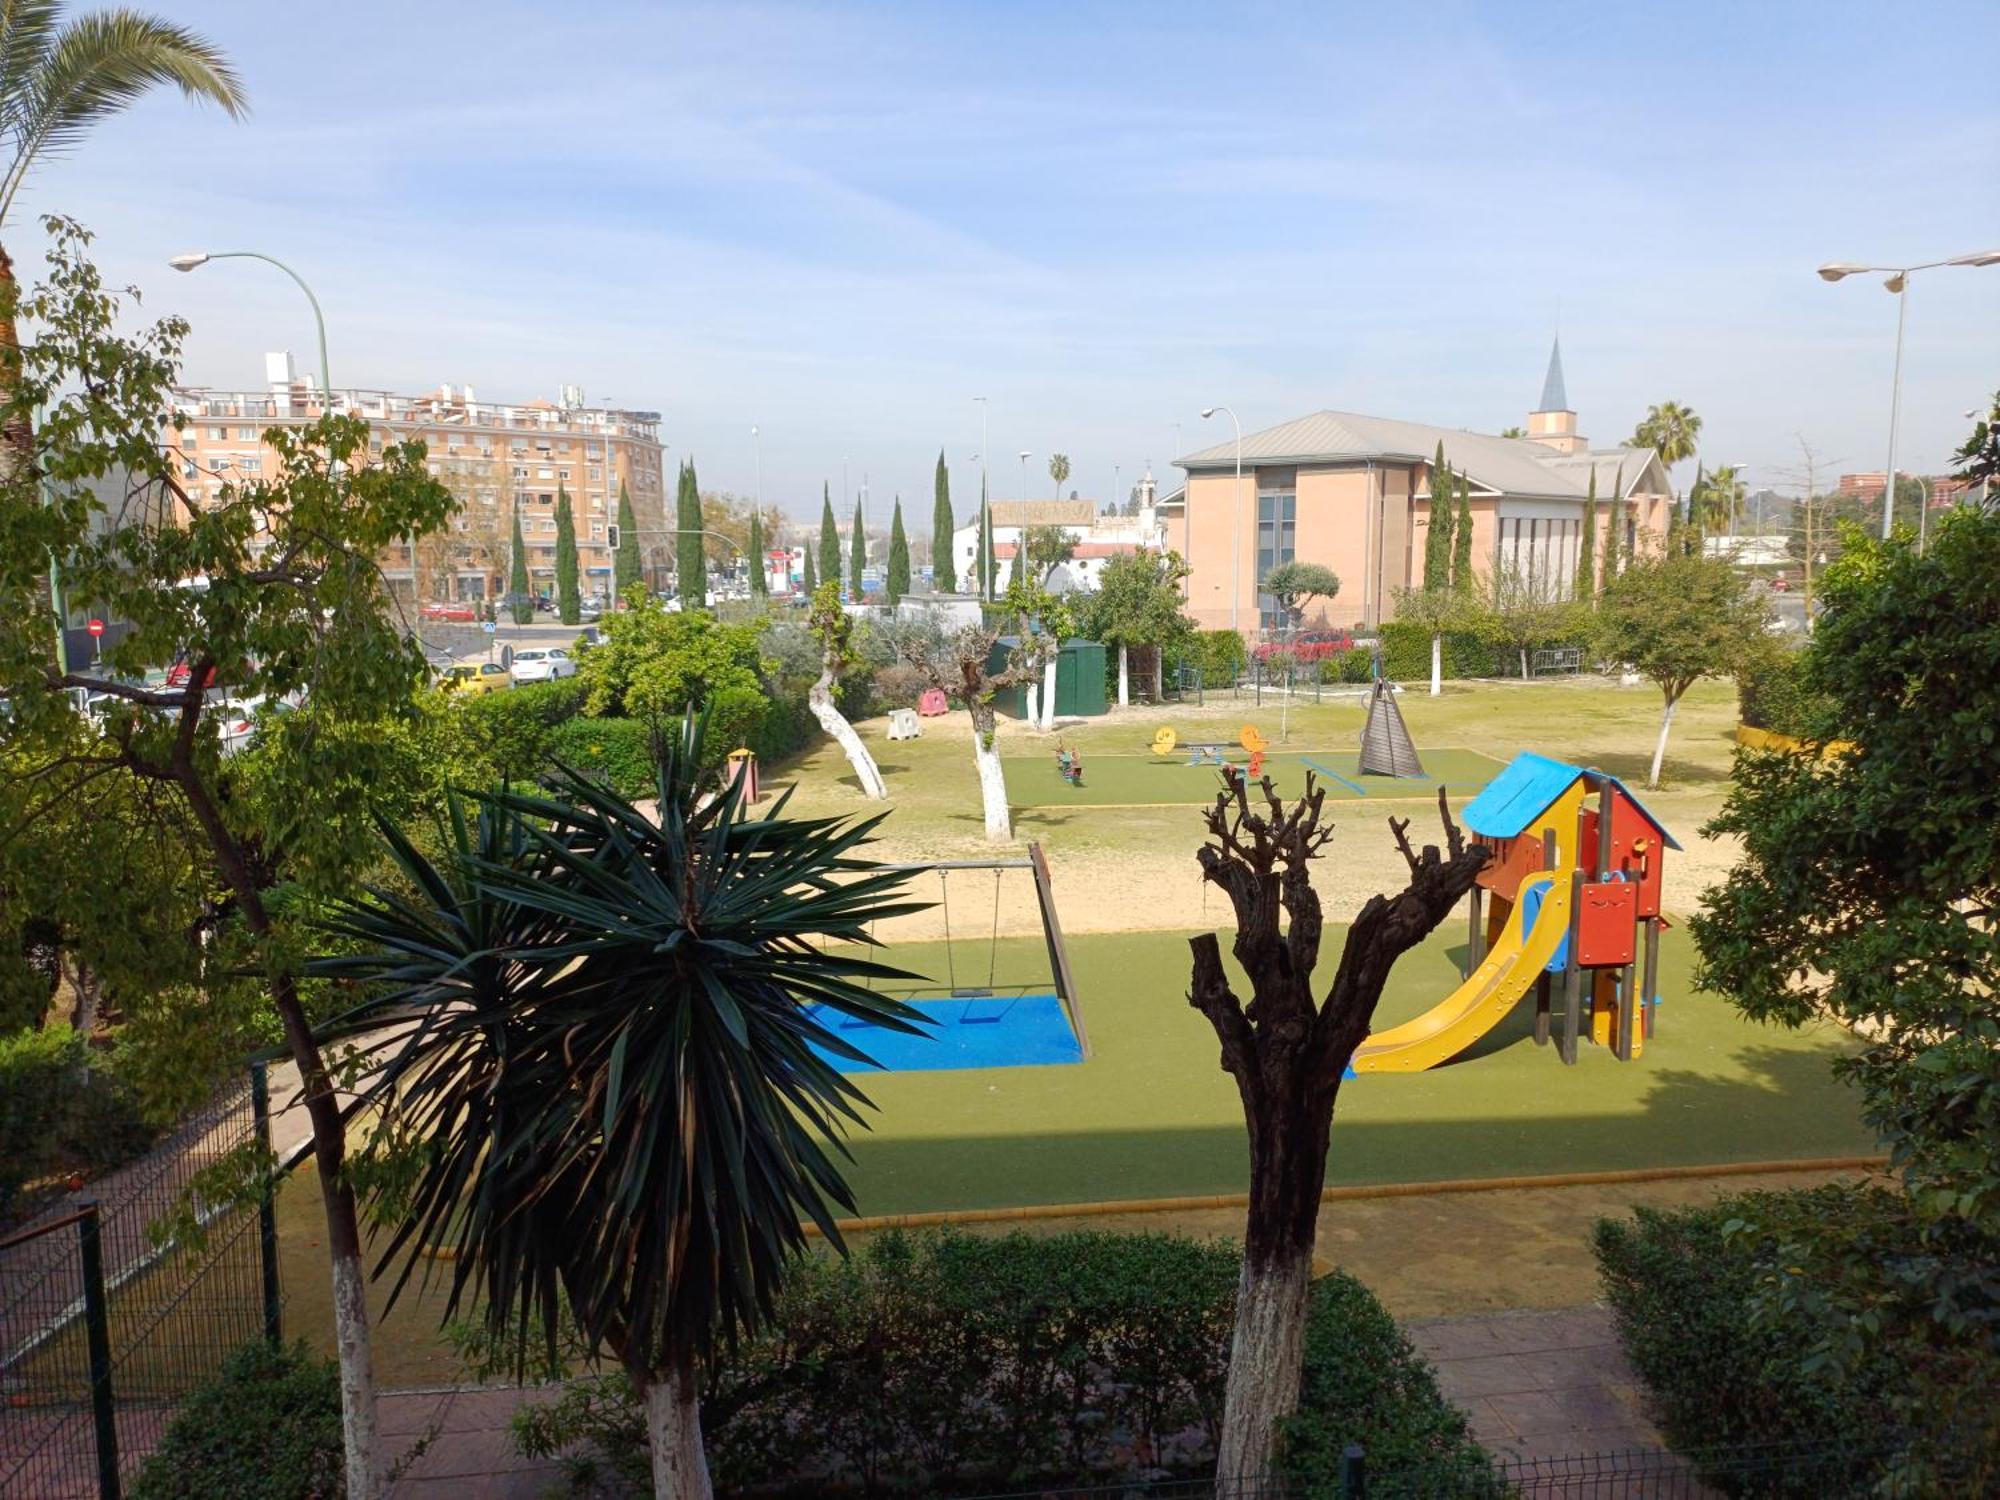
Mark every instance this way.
x=1277 y=533
x=246 y=434
x=218 y=434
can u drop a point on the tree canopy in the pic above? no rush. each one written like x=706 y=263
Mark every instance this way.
x=1044 y=549
x=944 y=577
x=654 y=661
x=1292 y=583
x=1670 y=430
x=569 y=597
x=829 y=539
x=898 y=579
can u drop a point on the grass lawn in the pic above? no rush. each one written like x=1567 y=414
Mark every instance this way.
x=1139 y=778
x=1152 y=1114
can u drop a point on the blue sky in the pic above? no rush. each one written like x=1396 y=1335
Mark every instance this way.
x=841 y=224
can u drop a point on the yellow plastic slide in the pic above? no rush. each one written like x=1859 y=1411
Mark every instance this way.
x=1483 y=1001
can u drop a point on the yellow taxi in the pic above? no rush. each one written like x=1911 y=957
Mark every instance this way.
x=476 y=677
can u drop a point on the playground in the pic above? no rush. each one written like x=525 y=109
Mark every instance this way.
x=1140 y=778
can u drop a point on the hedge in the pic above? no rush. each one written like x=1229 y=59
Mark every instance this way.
x=952 y=1363
x=61 y=1112
x=1406 y=654
x=1684 y=1294
x=1220 y=654
x=1773 y=695
x=618 y=752
x=265 y=1427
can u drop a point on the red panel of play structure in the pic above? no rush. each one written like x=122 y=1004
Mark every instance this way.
x=1637 y=850
x=1607 y=922
x=1514 y=860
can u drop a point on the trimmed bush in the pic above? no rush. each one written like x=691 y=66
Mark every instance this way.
x=60 y=1112
x=1406 y=654
x=1220 y=654
x=618 y=751
x=265 y=1427
x=1365 y=1383
x=950 y=1363
x=1688 y=1288
x=510 y=731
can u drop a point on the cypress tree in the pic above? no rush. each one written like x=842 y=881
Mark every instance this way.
x=625 y=561
x=1614 y=534
x=690 y=555
x=982 y=546
x=899 y=555
x=1437 y=543
x=522 y=607
x=1586 y=550
x=857 y=555
x=944 y=574
x=829 y=539
x=1461 y=537
x=759 y=585
x=812 y=579
x=569 y=599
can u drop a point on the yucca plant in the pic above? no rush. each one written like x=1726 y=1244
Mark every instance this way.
x=597 y=1026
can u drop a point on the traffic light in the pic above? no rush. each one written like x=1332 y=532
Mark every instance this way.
x=611 y=536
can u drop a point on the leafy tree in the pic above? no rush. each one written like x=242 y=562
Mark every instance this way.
x=857 y=554
x=760 y=585
x=1292 y=583
x=944 y=575
x=1676 y=619
x=899 y=556
x=1288 y=1054
x=1670 y=430
x=1462 y=577
x=1977 y=460
x=1045 y=549
x=654 y=661
x=625 y=567
x=627 y=1121
x=1435 y=611
x=829 y=540
x=1520 y=612
x=1714 y=500
x=956 y=661
x=690 y=553
x=519 y=603
x=1866 y=895
x=569 y=598
x=1059 y=471
x=1614 y=534
x=833 y=628
x=295 y=606
x=58 y=78
x=1437 y=537
x=1586 y=548
x=1513 y=432
x=1137 y=602
x=1045 y=619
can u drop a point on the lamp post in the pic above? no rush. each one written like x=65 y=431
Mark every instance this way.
x=1187 y=529
x=1898 y=282
x=195 y=259
x=1021 y=541
x=1236 y=510
x=982 y=527
x=757 y=446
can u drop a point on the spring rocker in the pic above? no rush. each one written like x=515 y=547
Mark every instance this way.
x=1214 y=752
x=1069 y=764
x=1572 y=890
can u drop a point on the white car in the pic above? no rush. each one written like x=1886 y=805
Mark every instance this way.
x=239 y=719
x=542 y=664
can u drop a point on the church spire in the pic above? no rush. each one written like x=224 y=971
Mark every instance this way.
x=1554 y=397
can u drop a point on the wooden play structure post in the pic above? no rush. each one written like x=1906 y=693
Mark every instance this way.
x=1544 y=982
x=1572 y=970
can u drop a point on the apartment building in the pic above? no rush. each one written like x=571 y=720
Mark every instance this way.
x=495 y=456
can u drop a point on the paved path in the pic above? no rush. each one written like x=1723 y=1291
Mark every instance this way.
x=470 y=1453
x=1540 y=1384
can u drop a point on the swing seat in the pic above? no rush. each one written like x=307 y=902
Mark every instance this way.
x=971 y=994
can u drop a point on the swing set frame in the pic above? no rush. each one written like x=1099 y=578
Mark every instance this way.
x=1062 y=976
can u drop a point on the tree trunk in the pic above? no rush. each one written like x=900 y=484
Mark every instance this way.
x=992 y=781
x=360 y=1431
x=1660 y=749
x=1124 y=679
x=673 y=1433
x=1266 y=1362
x=1031 y=698
x=17 y=438
x=1159 y=674
x=1049 y=688
x=1437 y=664
x=1524 y=664
x=834 y=722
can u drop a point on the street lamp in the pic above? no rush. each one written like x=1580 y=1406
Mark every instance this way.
x=1236 y=509
x=1898 y=282
x=1021 y=541
x=195 y=259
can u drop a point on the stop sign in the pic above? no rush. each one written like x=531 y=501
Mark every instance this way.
x=97 y=627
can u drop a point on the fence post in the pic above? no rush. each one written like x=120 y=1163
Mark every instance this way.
x=97 y=1326
x=267 y=1203
x=1353 y=1472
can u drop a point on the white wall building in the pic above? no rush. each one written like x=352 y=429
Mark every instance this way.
x=1097 y=539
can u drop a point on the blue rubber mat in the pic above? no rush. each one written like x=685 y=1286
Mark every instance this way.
x=989 y=1031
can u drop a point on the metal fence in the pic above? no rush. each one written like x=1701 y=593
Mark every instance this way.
x=108 y=1318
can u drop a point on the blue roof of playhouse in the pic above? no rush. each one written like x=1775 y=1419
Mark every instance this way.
x=1528 y=787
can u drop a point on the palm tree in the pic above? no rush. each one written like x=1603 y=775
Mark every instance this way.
x=1713 y=501
x=1670 y=430
x=58 y=77
x=604 y=1030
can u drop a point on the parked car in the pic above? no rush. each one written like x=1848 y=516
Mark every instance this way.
x=1311 y=645
x=475 y=677
x=458 y=614
x=239 y=719
x=542 y=664
x=180 y=671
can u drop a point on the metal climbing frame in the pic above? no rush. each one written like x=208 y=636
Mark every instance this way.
x=1062 y=976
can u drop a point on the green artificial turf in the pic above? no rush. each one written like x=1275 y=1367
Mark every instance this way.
x=1138 y=778
x=1151 y=1115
